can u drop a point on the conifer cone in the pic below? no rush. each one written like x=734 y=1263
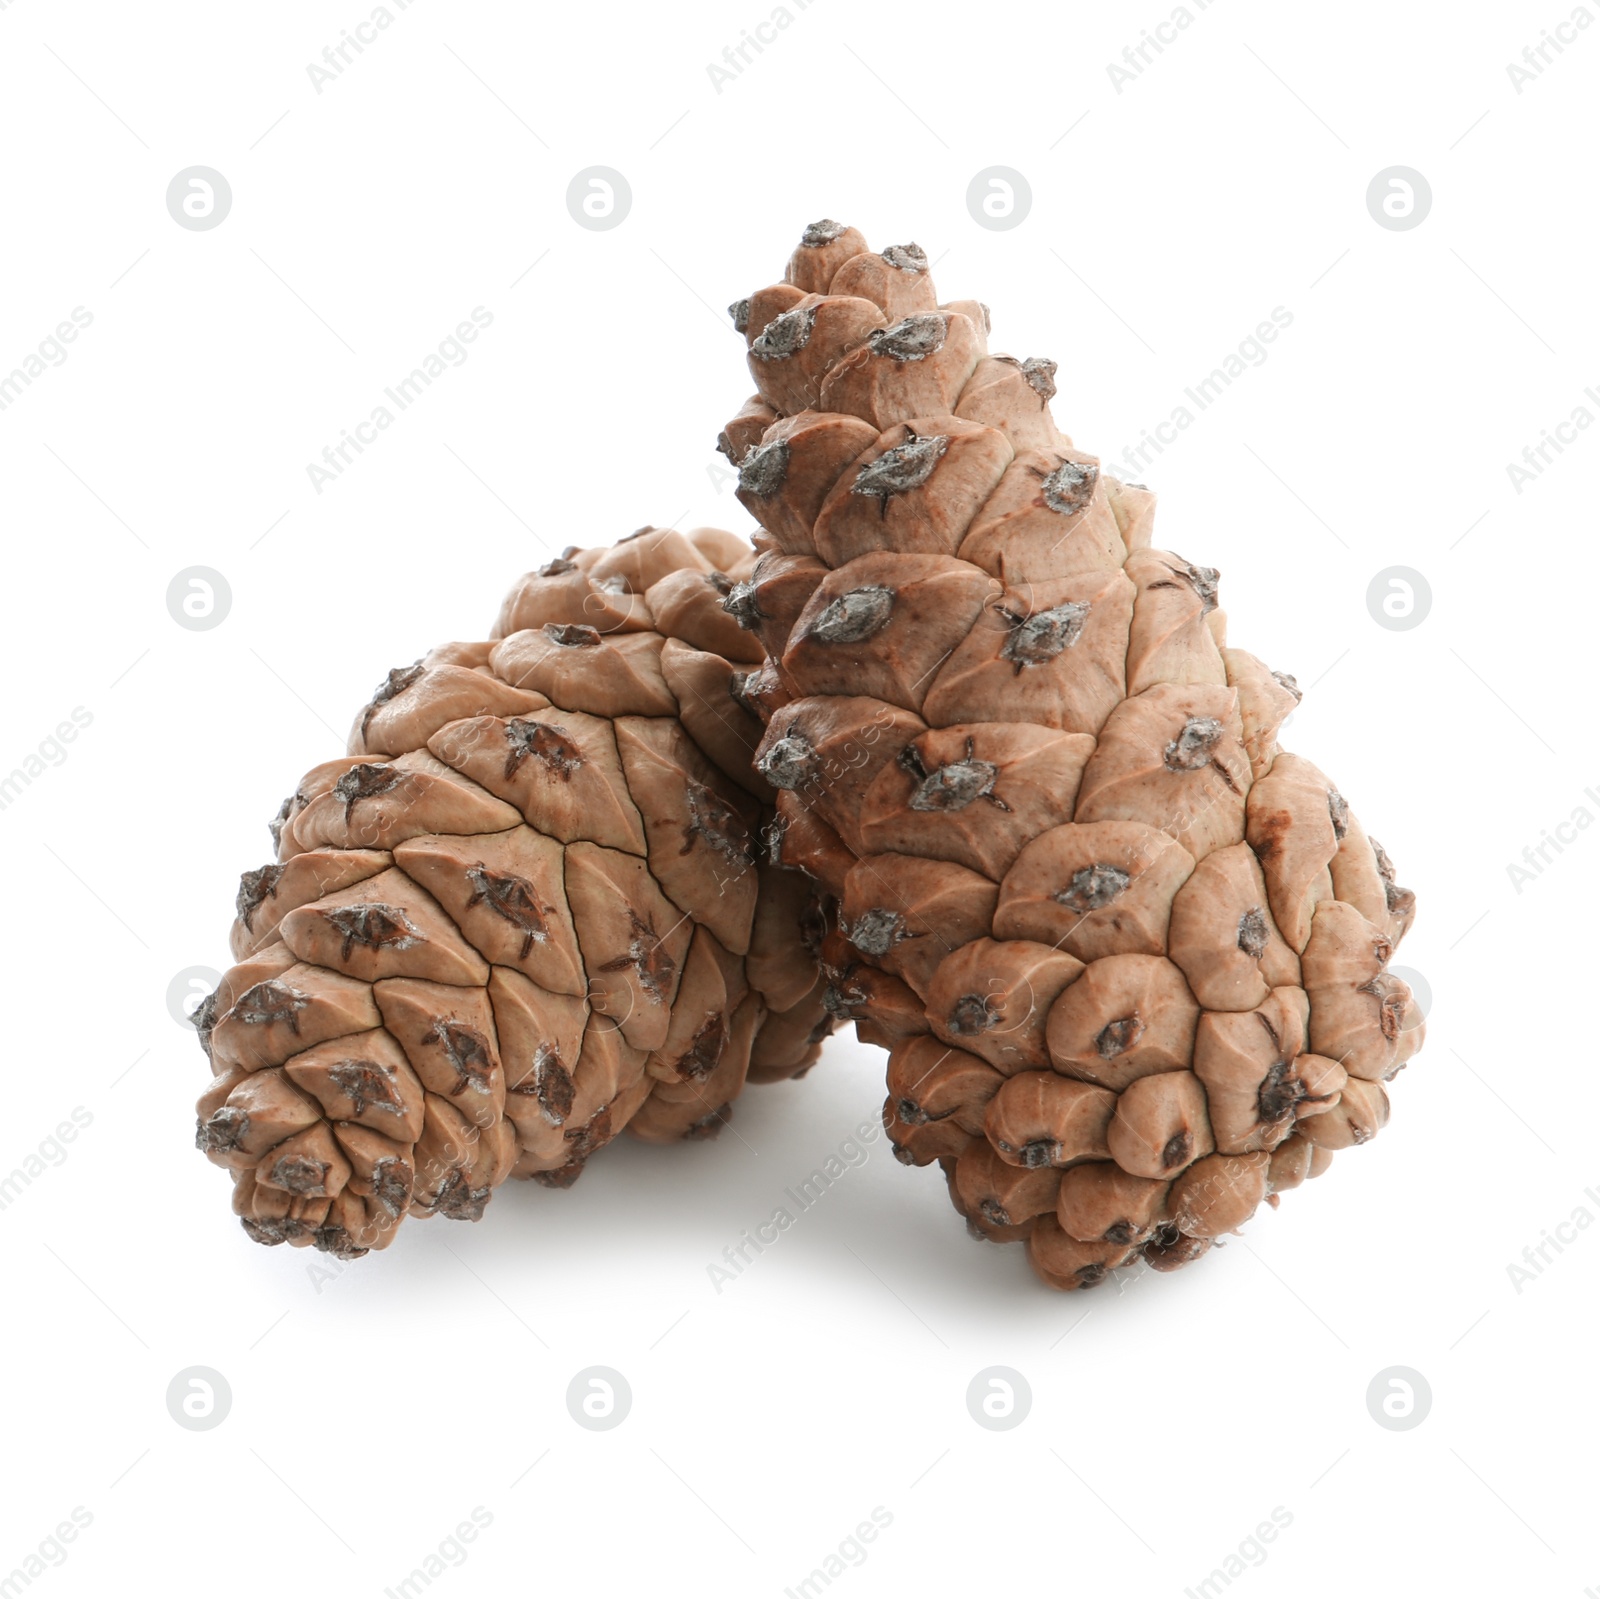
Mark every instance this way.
x=522 y=914
x=1128 y=956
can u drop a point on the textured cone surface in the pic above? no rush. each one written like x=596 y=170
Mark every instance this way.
x=521 y=915
x=1129 y=957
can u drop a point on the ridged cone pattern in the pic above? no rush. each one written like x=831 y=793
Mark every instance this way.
x=522 y=914
x=1129 y=957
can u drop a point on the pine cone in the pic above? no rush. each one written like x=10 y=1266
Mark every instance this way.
x=522 y=914
x=1130 y=958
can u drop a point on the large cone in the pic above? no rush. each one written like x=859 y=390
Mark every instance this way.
x=1130 y=958
x=522 y=914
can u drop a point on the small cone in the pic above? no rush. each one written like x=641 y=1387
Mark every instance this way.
x=513 y=921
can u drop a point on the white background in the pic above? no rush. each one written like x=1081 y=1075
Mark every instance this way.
x=372 y=1410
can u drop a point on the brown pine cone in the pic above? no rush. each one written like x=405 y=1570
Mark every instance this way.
x=1129 y=957
x=523 y=913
